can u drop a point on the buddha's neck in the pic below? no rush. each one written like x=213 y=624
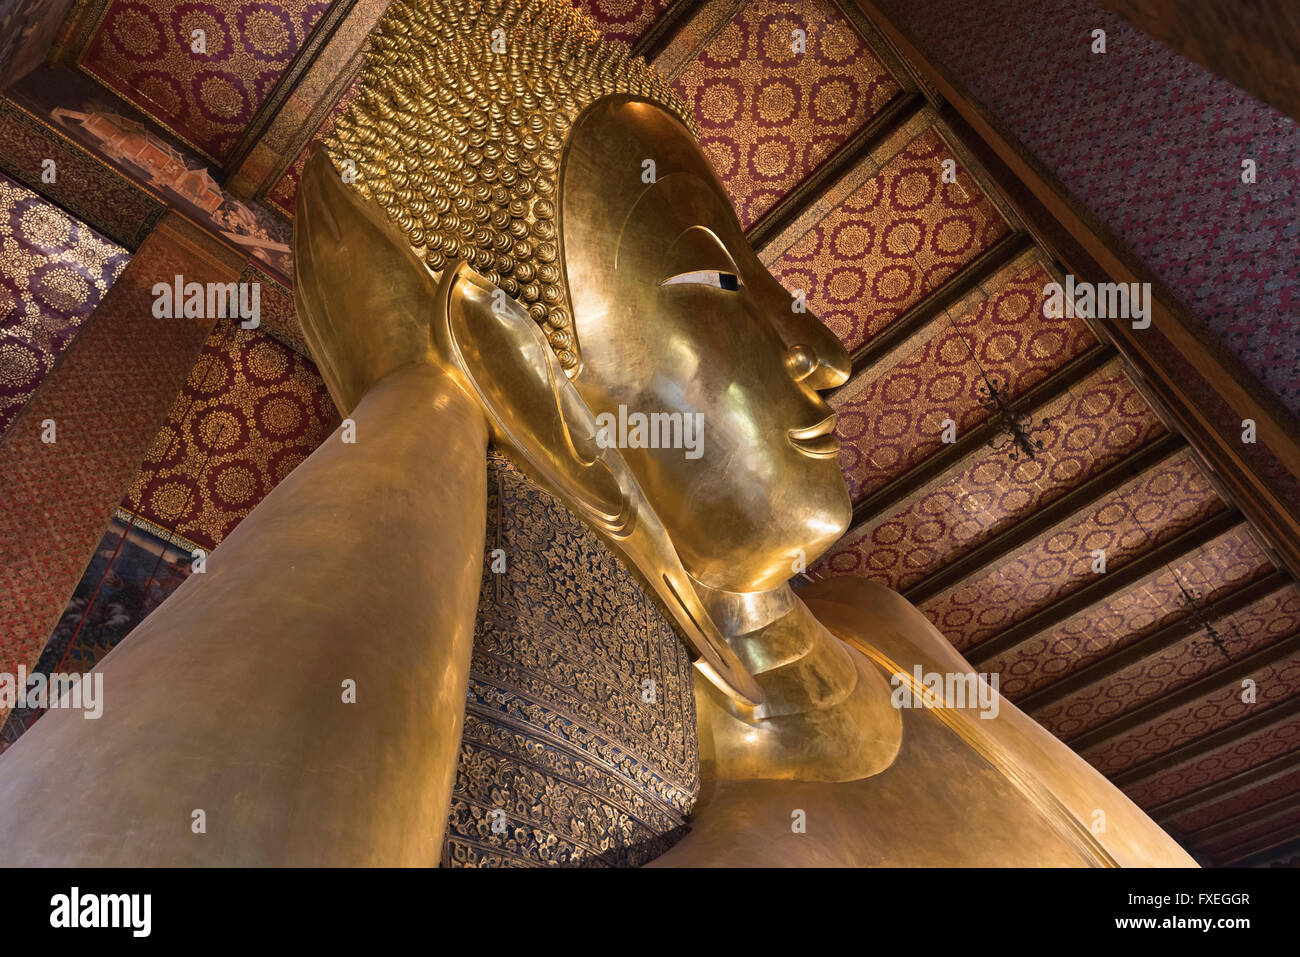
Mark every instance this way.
x=780 y=642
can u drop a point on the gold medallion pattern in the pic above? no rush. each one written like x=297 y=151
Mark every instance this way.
x=560 y=740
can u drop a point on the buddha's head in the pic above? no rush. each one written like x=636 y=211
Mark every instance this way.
x=569 y=176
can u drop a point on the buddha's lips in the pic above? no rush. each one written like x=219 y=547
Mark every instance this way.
x=817 y=441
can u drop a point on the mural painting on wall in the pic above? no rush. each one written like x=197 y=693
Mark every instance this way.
x=102 y=123
x=27 y=28
x=132 y=571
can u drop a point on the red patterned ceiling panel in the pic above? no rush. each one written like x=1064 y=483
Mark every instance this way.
x=1099 y=422
x=1216 y=570
x=896 y=419
x=144 y=53
x=623 y=20
x=1215 y=710
x=1147 y=510
x=771 y=115
x=892 y=241
x=1221 y=763
x=1255 y=627
x=250 y=412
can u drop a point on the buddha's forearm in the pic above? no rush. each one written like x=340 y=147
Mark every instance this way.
x=360 y=570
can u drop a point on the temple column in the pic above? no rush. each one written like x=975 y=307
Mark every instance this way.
x=106 y=399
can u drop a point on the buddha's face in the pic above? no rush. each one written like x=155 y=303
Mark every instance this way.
x=675 y=314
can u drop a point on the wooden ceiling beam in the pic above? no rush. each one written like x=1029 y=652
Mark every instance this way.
x=1206 y=743
x=1260 y=774
x=1264 y=847
x=1233 y=672
x=1177 y=548
x=665 y=29
x=1044 y=519
x=1243 y=819
x=302 y=59
x=1152 y=644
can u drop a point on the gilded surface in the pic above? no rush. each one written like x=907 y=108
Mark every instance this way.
x=557 y=734
x=458 y=128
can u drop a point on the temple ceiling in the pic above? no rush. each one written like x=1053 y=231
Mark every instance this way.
x=995 y=455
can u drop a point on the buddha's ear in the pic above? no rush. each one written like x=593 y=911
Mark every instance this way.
x=362 y=295
x=536 y=412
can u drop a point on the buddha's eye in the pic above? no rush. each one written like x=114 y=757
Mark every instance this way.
x=706 y=277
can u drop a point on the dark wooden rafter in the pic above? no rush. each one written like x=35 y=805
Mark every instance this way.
x=1266 y=846
x=1260 y=774
x=896 y=113
x=1046 y=518
x=1113 y=582
x=311 y=47
x=665 y=29
x=1042 y=393
x=1259 y=721
x=1243 y=819
x=1116 y=661
x=911 y=321
x=1287 y=851
x=899 y=66
x=1232 y=672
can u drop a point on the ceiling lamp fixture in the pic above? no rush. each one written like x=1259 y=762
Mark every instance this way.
x=1212 y=640
x=1017 y=428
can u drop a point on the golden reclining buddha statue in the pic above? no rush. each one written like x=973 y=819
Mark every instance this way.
x=513 y=238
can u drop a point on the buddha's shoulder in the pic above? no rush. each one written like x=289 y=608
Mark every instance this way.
x=867 y=613
x=928 y=672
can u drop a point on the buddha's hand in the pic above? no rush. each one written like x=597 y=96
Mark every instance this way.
x=363 y=297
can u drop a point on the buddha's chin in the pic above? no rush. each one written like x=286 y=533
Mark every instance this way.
x=773 y=552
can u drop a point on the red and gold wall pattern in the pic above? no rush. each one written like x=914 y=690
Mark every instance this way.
x=54 y=271
x=251 y=410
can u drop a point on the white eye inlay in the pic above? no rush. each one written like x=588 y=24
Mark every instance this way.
x=706 y=277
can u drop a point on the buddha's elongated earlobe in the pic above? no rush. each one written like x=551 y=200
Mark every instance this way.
x=535 y=411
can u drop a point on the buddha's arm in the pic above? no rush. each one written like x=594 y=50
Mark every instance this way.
x=362 y=566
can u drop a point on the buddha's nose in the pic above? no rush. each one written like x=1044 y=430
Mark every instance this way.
x=814 y=355
x=818 y=358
